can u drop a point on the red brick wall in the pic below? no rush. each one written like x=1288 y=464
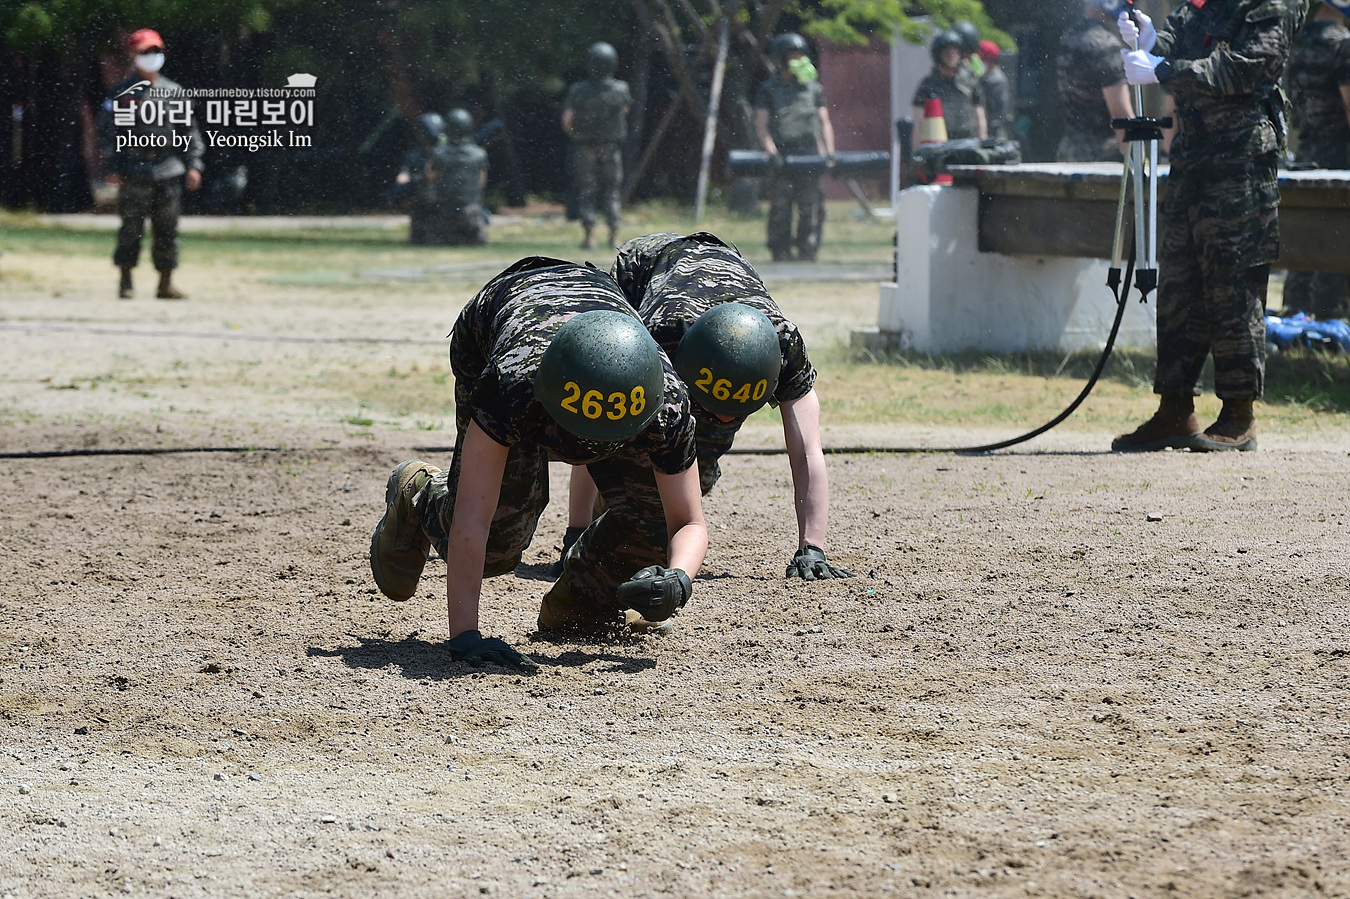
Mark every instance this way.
x=857 y=90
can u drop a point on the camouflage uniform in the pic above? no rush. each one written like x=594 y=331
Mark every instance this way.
x=460 y=166
x=152 y=177
x=1089 y=60
x=959 y=95
x=1318 y=66
x=599 y=126
x=671 y=281
x=997 y=92
x=794 y=125
x=495 y=349
x=1223 y=64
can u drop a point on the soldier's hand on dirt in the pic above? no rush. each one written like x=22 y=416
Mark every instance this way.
x=810 y=564
x=193 y=179
x=1144 y=32
x=656 y=592
x=477 y=650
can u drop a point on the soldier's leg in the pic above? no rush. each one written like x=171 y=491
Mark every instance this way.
x=1329 y=295
x=611 y=188
x=630 y=535
x=1298 y=292
x=587 y=182
x=134 y=200
x=165 y=207
x=810 y=217
x=779 y=226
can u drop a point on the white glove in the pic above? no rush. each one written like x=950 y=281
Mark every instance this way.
x=1140 y=65
x=1144 y=33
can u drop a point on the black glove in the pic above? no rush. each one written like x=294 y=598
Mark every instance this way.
x=656 y=592
x=810 y=564
x=477 y=650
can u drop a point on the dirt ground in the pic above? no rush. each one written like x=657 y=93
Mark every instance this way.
x=1059 y=672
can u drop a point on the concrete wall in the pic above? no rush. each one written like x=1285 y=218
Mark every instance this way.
x=950 y=297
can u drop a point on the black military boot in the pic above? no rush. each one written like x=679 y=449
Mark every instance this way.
x=1173 y=426
x=166 y=289
x=1235 y=429
x=124 y=289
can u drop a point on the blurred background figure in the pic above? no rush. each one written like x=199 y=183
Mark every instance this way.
x=419 y=175
x=153 y=150
x=791 y=120
x=1319 y=86
x=595 y=116
x=997 y=92
x=955 y=86
x=464 y=170
x=1092 y=85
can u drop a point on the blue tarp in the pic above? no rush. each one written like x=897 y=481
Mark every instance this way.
x=1301 y=330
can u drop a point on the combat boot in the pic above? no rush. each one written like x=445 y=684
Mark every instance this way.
x=166 y=289
x=1235 y=429
x=587 y=242
x=1173 y=426
x=124 y=289
x=398 y=548
x=560 y=610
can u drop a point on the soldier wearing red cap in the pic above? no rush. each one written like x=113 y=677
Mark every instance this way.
x=152 y=159
x=997 y=90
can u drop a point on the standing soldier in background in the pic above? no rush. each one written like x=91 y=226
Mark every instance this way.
x=997 y=92
x=971 y=61
x=463 y=175
x=791 y=120
x=1319 y=85
x=595 y=116
x=1222 y=62
x=950 y=82
x=421 y=172
x=152 y=177
x=1092 y=85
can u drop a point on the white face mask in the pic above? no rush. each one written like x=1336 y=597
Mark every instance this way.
x=150 y=62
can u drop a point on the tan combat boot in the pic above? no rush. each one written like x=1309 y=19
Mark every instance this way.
x=1173 y=426
x=124 y=289
x=398 y=548
x=166 y=289
x=560 y=610
x=1235 y=429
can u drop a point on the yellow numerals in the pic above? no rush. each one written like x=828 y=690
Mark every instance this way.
x=720 y=388
x=592 y=402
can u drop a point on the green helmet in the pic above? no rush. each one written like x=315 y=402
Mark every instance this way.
x=602 y=60
x=788 y=42
x=458 y=124
x=730 y=360
x=601 y=377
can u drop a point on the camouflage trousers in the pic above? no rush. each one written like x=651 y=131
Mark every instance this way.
x=1221 y=232
x=137 y=199
x=802 y=192
x=1323 y=295
x=598 y=177
x=629 y=536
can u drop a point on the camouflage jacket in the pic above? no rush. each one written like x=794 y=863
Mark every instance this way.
x=599 y=110
x=166 y=122
x=794 y=116
x=1089 y=60
x=959 y=95
x=459 y=167
x=499 y=339
x=1318 y=66
x=1223 y=63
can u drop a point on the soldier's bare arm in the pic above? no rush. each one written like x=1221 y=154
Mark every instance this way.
x=567 y=117
x=762 y=132
x=826 y=132
x=810 y=486
x=981 y=123
x=1118 y=104
x=480 y=482
x=683 y=506
x=1345 y=100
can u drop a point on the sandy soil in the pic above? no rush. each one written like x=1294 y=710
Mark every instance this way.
x=1059 y=672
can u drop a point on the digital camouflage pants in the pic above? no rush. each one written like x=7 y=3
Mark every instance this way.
x=1221 y=232
x=138 y=199
x=802 y=193
x=598 y=177
x=629 y=536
